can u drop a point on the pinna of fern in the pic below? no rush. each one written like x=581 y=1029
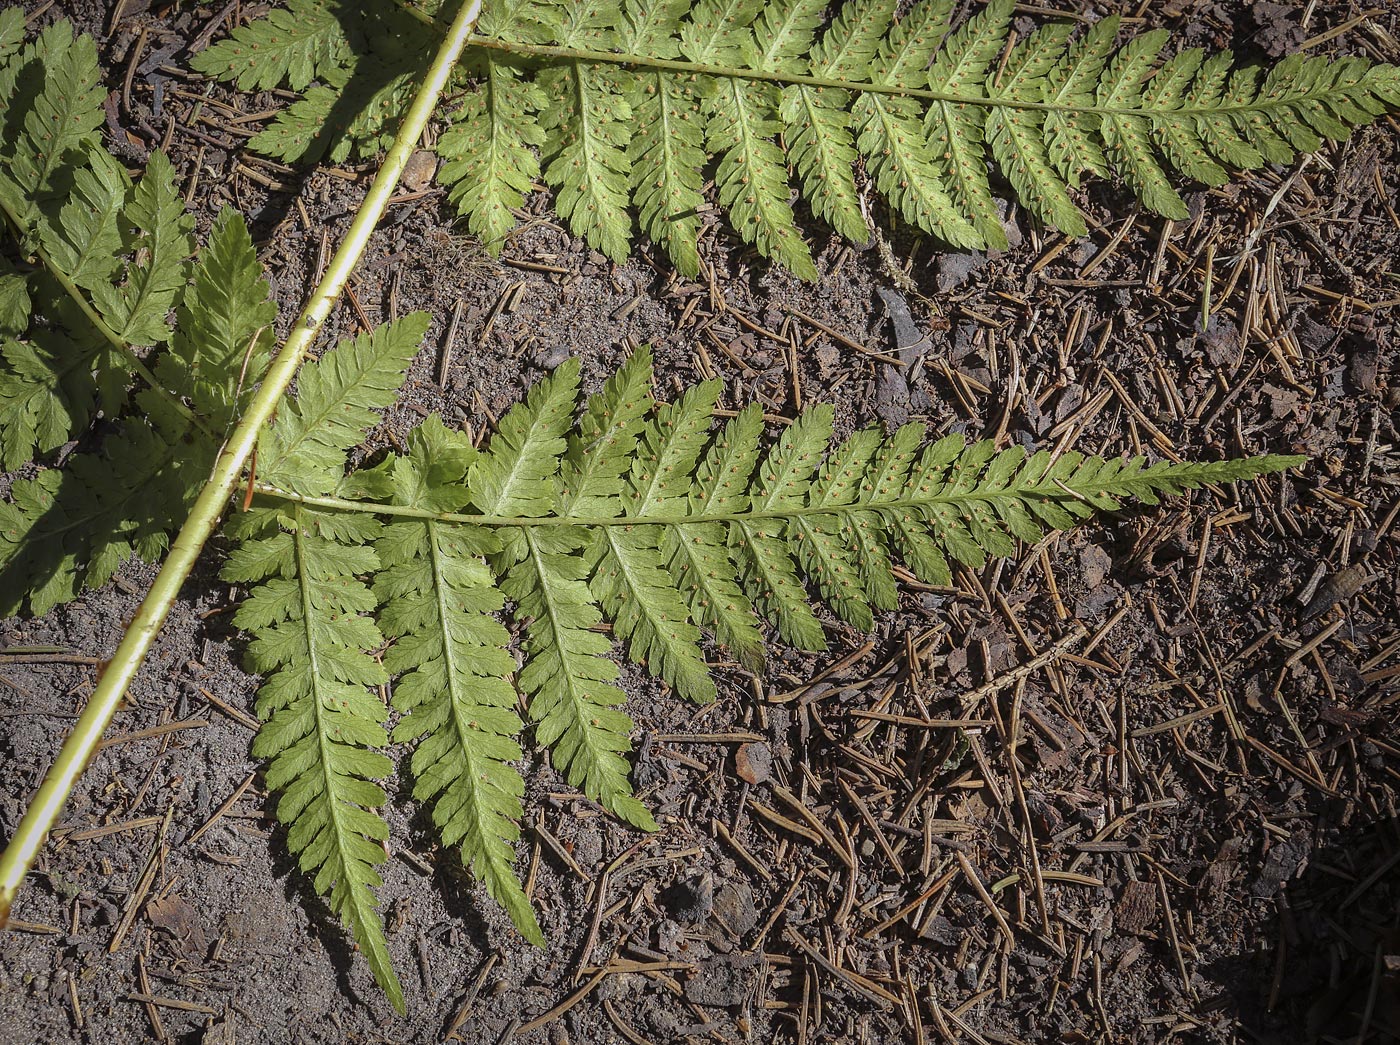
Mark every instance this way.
x=641 y=514
x=626 y=113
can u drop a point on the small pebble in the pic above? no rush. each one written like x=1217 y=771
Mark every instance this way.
x=753 y=762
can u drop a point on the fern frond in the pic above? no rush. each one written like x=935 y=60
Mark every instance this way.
x=322 y=720
x=752 y=175
x=612 y=104
x=743 y=120
x=890 y=136
x=337 y=400
x=11 y=33
x=64 y=530
x=516 y=474
x=47 y=390
x=695 y=536
x=600 y=452
x=438 y=597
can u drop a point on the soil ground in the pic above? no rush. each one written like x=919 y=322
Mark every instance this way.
x=1180 y=827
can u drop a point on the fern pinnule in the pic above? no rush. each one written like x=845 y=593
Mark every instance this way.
x=697 y=554
x=138 y=309
x=628 y=576
x=223 y=336
x=437 y=599
x=956 y=131
x=51 y=92
x=296 y=45
x=761 y=553
x=587 y=123
x=337 y=400
x=322 y=722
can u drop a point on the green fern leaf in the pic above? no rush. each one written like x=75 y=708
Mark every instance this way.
x=336 y=403
x=488 y=163
x=86 y=240
x=823 y=151
x=516 y=475
x=1177 y=136
x=438 y=597
x=627 y=574
x=600 y=453
x=66 y=530
x=303 y=130
x=16 y=308
x=666 y=148
x=321 y=719
x=955 y=129
x=47 y=391
x=666 y=156
x=586 y=124
x=697 y=555
x=302 y=43
x=752 y=175
x=821 y=143
x=57 y=96
x=825 y=544
x=1017 y=137
x=11 y=32
x=891 y=138
x=573 y=699
x=137 y=310
x=1073 y=132
x=741 y=125
x=771 y=576
x=224 y=336
x=627 y=517
x=1129 y=138
x=718 y=31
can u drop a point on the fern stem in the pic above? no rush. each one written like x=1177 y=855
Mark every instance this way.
x=81 y=744
x=673 y=65
x=101 y=325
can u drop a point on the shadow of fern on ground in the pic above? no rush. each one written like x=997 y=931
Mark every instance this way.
x=71 y=528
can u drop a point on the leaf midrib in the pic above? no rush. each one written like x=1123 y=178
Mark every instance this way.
x=1046 y=491
x=867 y=87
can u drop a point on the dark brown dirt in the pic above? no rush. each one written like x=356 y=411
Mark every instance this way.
x=1183 y=828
